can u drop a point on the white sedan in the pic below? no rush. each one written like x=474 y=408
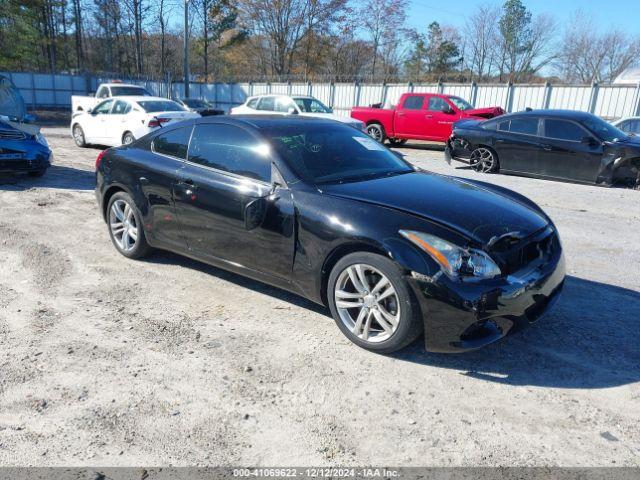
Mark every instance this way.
x=296 y=105
x=122 y=120
x=629 y=125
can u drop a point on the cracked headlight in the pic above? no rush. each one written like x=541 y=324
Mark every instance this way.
x=455 y=261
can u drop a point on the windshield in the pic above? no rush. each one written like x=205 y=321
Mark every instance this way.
x=332 y=153
x=129 y=92
x=11 y=102
x=193 y=103
x=603 y=130
x=461 y=104
x=311 y=105
x=152 y=106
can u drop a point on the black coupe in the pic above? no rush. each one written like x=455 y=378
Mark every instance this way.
x=557 y=144
x=320 y=209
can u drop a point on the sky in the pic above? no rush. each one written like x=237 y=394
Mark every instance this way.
x=623 y=14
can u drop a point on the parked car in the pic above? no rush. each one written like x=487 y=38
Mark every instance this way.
x=201 y=107
x=22 y=146
x=322 y=210
x=107 y=90
x=630 y=125
x=121 y=120
x=558 y=144
x=419 y=116
x=302 y=105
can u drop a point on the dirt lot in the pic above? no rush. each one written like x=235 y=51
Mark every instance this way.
x=108 y=361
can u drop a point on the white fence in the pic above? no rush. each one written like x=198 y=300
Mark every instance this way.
x=607 y=101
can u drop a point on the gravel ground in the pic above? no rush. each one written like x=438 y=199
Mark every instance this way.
x=108 y=361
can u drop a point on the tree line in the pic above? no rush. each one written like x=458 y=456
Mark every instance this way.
x=315 y=40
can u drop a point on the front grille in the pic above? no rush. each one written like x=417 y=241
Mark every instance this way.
x=12 y=135
x=531 y=250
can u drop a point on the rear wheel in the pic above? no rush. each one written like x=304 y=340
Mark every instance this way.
x=125 y=226
x=396 y=142
x=372 y=303
x=78 y=136
x=128 y=138
x=376 y=131
x=484 y=160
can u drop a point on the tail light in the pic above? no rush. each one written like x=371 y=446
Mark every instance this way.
x=99 y=159
x=157 y=122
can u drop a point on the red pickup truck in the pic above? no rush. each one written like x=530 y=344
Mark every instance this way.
x=419 y=116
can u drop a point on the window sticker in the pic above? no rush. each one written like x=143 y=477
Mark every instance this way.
x=369 y=143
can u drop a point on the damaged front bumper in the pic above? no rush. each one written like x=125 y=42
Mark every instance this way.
x=461 y=316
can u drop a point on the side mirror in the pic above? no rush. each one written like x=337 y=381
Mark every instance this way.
x=292 y=111
x=254 y=213
x=28 y=118
x=589 y=141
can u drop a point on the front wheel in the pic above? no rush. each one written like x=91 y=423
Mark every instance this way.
x=372 y=304
x=125 y=226
x=376 y=131
x=484 y=160
x=78 y=136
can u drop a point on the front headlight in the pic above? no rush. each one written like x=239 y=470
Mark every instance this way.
x=456 y=262
x=41 y=140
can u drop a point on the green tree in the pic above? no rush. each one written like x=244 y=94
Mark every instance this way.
x=443 y=54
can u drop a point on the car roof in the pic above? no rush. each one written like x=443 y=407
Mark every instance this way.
x=263 y=121
x=570 y=114
x=138 y=98
x=117 y=84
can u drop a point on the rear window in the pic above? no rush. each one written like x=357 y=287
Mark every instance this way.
x=152 y=106
x=173 y=143
x=413 y=102
x=527 y=126
x=129 y=91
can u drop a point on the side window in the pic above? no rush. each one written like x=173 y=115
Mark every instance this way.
x=173 y=143
x=526 y=125
x=231 y=149
x=103 y=92
x=267 y=103
x=104 y=107
x=504 y=126
x=436 y=104
x=121 y=107
x=253 y=103
x=414 y=102
x=283 y=104
x=563 y=130
x=630 y=126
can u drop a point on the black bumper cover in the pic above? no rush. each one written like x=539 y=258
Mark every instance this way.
x=461 y=316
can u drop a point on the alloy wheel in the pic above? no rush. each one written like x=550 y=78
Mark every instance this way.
x=482 y=160
x=123 y=225
x=375 y=132
x=78 y=135
x=367 y=303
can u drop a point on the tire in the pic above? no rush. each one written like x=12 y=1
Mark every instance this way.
x=484 y=160
x=78 y=136
x=124 y=224
x=37 y=173
x=397 y=142
x=376 y=131
x=128 y=138
x=399 y=304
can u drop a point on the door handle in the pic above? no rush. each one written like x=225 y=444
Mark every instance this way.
x=547 y=147
x=428 y=116
x=499 y=141
x=401 y=114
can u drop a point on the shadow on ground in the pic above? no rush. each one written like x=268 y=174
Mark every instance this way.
x=56 y=177
x=589 y=340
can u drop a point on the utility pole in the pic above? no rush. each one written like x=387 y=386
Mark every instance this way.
x=186 y=48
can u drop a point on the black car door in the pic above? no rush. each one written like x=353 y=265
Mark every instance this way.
x=226 y=203
x=517 y=144
x=156 y=171
x=569 y=151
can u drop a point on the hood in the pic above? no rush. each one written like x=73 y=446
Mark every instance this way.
x=488 y=112
x=471 y=210
x=332 y=116
x=11 y=102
